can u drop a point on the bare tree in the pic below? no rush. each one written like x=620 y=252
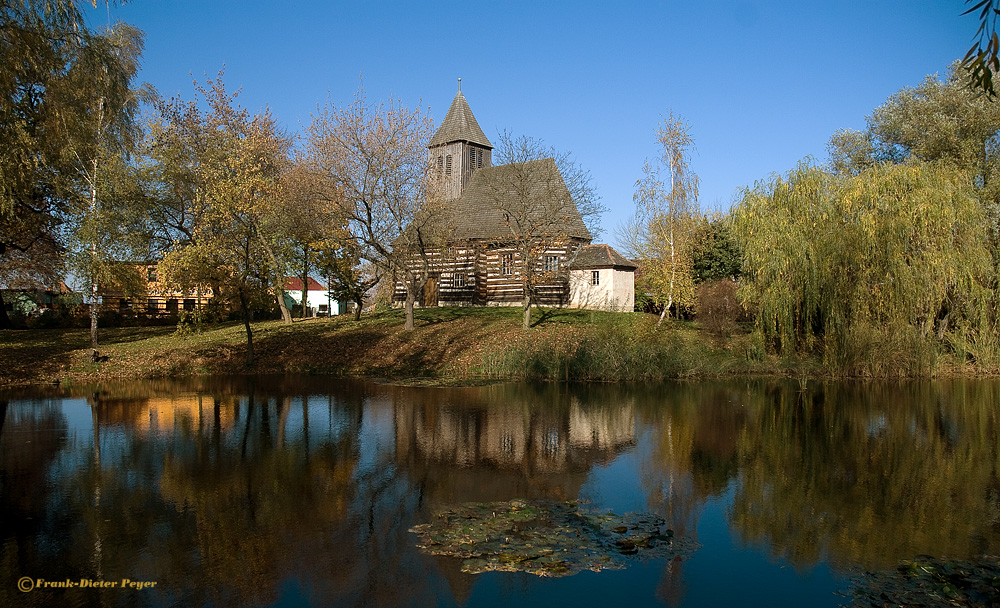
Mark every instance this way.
x=548 y=204
x=373 y=159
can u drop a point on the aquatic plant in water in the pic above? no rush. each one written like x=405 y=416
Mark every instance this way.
x=546 y=538
x=932 y=582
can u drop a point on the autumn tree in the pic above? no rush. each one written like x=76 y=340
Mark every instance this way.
x=234 y=238
x=373 y=160
x=349 y=277
x=660 y=235
x=547 y=202
x=315 y=228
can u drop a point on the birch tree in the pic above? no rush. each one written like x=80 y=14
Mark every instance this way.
x=666 y=199
x=107 y=224
x=64 y=93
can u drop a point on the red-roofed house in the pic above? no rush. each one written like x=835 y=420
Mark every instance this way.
x=318 y=302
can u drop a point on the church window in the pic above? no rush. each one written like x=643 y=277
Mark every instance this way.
x=447 y=167
x=507 y=264
x=595 y=277
x=458 y=280
x=440 y=164
x=551 y=263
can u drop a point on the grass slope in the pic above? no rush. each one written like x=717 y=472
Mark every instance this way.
x=447 y=345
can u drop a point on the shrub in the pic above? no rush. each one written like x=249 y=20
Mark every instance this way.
x=718 y=309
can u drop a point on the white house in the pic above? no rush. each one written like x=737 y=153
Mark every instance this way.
x=318 y=301
x=600 y=278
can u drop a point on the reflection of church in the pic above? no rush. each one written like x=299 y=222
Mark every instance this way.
x=525 y=446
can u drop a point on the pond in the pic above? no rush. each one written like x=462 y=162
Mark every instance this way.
x=303 y=491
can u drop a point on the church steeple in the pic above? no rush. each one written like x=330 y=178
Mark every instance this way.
x=458 y=148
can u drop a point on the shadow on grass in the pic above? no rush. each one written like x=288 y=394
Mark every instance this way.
x=38 y=355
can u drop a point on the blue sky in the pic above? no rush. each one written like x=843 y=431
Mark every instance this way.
x=761 y=84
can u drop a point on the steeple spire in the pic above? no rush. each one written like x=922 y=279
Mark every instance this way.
x=459 y=124
x=458 y=148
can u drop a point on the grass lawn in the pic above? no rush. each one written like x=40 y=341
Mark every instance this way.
x=448 y=344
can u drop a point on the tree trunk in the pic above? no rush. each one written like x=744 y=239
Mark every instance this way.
x=410 y=297
x=279 y=284
x=305 y=280
x=5 y=322
x=527 y=309
x=245 y=312
x=93 y=246
x=357 y=307
x=93 y=316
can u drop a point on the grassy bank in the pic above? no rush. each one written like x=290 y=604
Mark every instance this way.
x=448 y=345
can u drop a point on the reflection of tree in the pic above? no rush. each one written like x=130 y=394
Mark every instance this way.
x=695 y=429
x=233 y=501
x=871 y=475
x=31 y=436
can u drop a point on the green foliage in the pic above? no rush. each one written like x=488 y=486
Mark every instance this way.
x=65 y=100
x=940 y=120
x=981 y=62
x=714 y=252
x=855 y=264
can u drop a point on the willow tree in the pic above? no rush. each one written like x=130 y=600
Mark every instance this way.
x=939 y=120
x=845 y=264
x=661 y=232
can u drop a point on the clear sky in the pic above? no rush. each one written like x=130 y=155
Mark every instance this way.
x=762 y=84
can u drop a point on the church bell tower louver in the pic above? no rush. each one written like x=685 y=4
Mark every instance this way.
x=458 y=148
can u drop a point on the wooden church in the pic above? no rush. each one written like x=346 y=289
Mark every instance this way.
x=495 y=217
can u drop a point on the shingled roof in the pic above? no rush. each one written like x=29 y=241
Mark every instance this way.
x=493 y=191
x=601 y=256
x=460 y=125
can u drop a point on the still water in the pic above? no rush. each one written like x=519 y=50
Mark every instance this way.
x=302 y=491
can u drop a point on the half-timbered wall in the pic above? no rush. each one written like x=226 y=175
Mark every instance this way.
x=491 y=276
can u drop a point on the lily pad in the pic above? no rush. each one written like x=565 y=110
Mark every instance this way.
x=932 y=582
x=546 y=538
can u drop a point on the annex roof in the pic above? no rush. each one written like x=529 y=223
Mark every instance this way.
x=530 y=193
x=601 y=256
x=459 y=125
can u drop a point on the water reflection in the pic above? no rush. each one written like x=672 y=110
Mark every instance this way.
x=237 y=492
x=870 y=475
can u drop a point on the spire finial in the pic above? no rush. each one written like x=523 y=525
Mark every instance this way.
x=459 y=85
